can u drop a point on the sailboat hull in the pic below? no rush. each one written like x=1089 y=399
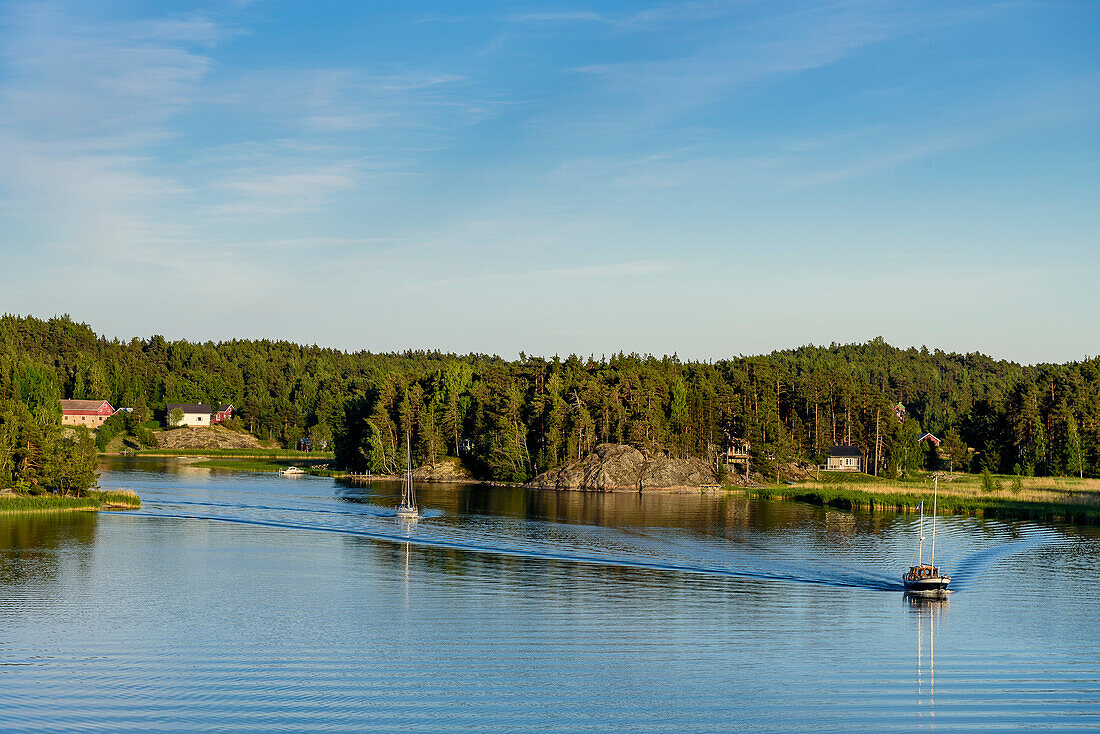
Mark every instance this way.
x=930 y=585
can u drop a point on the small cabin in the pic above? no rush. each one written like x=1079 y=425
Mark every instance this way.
x=737 y=451
x=930 y=439
x=90 y=413
x=844 y=458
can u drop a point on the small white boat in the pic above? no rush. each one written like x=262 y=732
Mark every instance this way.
x=407 y=509
x=925 y=579
x=292 y=471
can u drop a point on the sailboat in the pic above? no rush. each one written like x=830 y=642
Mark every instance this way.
x=407 y=509
x=925 y=578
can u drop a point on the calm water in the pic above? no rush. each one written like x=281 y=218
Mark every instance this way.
x=251 y=602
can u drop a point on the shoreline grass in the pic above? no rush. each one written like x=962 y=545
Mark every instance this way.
x=239 y=453
x=1057 y=499
x=251 y=465
x=92 y=501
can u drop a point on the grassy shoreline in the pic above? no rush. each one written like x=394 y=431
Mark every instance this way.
x=253 y=465
x=234 y=453
x=1067 y=500
x=92 y=501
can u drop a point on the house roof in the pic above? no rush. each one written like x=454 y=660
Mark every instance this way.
x=196 y=408
x=930 y=437
x=82 y=404
x=843 y=452
x=189 y=407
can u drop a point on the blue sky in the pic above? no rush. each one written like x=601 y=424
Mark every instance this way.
x=704 y=178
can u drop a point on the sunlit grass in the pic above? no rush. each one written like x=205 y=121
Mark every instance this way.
x=1067 y=498
x=241 y=453
x=20 y=502
x=256 y=466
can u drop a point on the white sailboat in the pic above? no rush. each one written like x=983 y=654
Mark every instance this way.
x=925 y=578
x=407 y=509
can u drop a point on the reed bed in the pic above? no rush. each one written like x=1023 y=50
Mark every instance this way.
x=90 y=500
x=1041 y=498
x=241 y=453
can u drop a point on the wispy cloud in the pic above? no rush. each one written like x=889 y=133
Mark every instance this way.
x=268 y=193
x=727 y=56
x=549 y=276
x=83 y=104
x=555 y=16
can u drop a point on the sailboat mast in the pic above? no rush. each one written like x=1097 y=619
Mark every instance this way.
x=935 y=496
x=920 y=548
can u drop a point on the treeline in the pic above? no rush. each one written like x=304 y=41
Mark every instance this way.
x=512 y=419
x=37 y=456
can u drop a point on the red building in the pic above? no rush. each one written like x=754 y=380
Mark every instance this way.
x=930 y=439
x=223 y=413
x=90 y=413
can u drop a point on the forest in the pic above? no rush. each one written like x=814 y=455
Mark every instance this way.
x=509 y=420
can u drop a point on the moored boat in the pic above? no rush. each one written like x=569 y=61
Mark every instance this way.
x=407 y=509
x=292 y=471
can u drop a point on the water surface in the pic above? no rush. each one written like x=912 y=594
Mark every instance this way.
x=253 y=602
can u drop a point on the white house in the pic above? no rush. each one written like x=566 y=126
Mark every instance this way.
x=194 y=414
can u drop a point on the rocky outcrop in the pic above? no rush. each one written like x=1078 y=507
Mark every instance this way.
x=448 y=470
x=616 y=468
x=207 y=437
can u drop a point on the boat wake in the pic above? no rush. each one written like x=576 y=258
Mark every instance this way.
x=967 y=547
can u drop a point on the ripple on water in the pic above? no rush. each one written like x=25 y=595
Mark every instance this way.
x=246 y=603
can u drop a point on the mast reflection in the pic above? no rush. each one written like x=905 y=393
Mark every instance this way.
x=928 y=611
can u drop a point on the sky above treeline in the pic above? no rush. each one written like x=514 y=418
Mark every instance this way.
x=701 y=178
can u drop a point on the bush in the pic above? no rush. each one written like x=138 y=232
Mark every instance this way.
x=111 y=427
x=1017 y=485
x=989 y=483
x=235 y=423
x=145 y=437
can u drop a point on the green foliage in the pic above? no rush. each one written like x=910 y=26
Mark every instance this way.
x=111 y=427
x=906 y=452
x=956 y=450
x=38 y=457
x=513 y=419
x=990 y=484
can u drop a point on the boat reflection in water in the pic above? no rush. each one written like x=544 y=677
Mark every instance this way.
x=928 y=611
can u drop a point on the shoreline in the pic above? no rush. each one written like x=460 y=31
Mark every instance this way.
x=839 y=497
x=94 y=500
x=1001 y=507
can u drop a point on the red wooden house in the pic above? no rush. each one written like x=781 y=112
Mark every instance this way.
x=90 y=413
x=930 y=439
